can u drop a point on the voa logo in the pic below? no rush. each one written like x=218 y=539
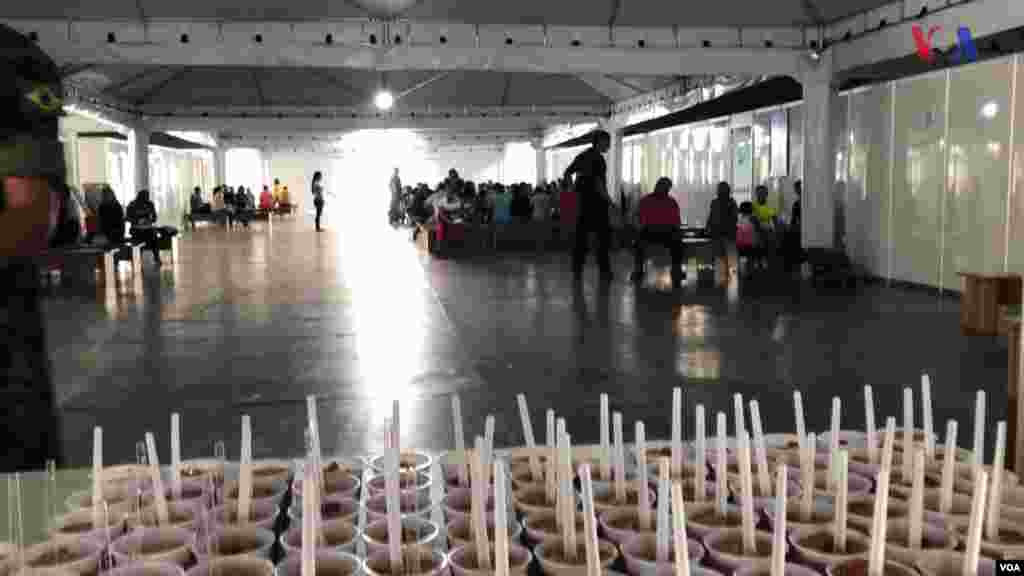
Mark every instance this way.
x=964 y=49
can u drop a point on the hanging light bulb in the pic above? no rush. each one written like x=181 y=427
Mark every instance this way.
x=384 y=100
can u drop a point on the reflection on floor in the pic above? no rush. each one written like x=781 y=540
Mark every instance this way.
x=252 y=321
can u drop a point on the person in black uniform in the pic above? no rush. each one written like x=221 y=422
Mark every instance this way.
x=593 y=200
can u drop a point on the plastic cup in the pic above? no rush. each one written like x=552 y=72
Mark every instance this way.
x=415 y=532
x=458 y=503
x=822 y=514
x=81 y=556
x=815 y=546
x=338 y=484
x=273 y=471
x=237 y=541
x=951 y=564
x=459 y=531
x=622 y=525
x=339 y=536
x=540 y=527
x=262 y=514
x=147 y=568
x=331 y=508
x=270 y=490
x=411 y=504
x=531 y=501
x=859 y=567
x=726 y=550
x=78 y=524
x=702 y=520
x=430 y=563
x=641 y=556
x=232 y=566
x=414 y=460
x=933 y=538
x=605 y=501
x=328 y=563
x=463 y=561
x=121 y=498
x=860 y=510
x=408 y=482
x=181 y=514
x=552 y=558
x=164 y=544
x=787 y=570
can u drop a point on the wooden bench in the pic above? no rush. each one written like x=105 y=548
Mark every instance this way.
x=82 y=261
x=212 y=217
x=284 y=210
x=533 y=235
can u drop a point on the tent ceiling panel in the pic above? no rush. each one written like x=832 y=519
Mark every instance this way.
x=176 y=87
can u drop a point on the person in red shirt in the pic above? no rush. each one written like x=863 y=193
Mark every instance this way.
x=659 y=224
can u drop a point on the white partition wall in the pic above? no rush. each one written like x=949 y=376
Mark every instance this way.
x=929 y=170
x=867 y=180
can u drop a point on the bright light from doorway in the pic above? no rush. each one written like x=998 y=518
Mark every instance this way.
x=384 y=100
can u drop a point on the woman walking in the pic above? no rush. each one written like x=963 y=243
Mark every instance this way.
x=318 y=196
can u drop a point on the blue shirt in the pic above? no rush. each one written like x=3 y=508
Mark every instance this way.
x=503 y=208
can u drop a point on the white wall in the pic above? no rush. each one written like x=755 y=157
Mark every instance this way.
x=929 y=170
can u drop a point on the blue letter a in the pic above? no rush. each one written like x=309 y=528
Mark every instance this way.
x=967 y=52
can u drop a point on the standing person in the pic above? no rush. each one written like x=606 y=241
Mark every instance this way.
x=396 y=198
x=591 y=188
x=794 y=252
x=318 y=196
x=722 y=223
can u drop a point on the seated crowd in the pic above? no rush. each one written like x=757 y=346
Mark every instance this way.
x=230 y=204
x=105 y=220
x=753 y=230
x=459 y=201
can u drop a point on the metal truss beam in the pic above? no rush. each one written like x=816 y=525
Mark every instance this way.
x=358 y=45
x=872 y=41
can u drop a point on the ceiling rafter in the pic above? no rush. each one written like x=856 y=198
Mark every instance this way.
x=421 y=85
x=133 y=79
x=338 y=83
x=505 y=85
x=614 y=17
x=629 y=85
x=257 y=82
x=149 y=94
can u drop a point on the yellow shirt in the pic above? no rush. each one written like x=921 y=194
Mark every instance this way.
x=765 y=213
x=276 y=191
x=284 y=199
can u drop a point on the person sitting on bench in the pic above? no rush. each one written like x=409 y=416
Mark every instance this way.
x=111 y=216
x=659 y=224
x=141 y=214
x=196 y=202
x=266 y=199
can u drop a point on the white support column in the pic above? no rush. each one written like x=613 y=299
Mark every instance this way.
x=541 y=160
x=141 y=134
x=219 y=166
x=817 y=201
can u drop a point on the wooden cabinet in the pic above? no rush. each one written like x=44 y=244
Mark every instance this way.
x=982 y=297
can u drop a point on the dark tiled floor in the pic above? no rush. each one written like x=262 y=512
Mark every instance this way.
x=253 y=321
